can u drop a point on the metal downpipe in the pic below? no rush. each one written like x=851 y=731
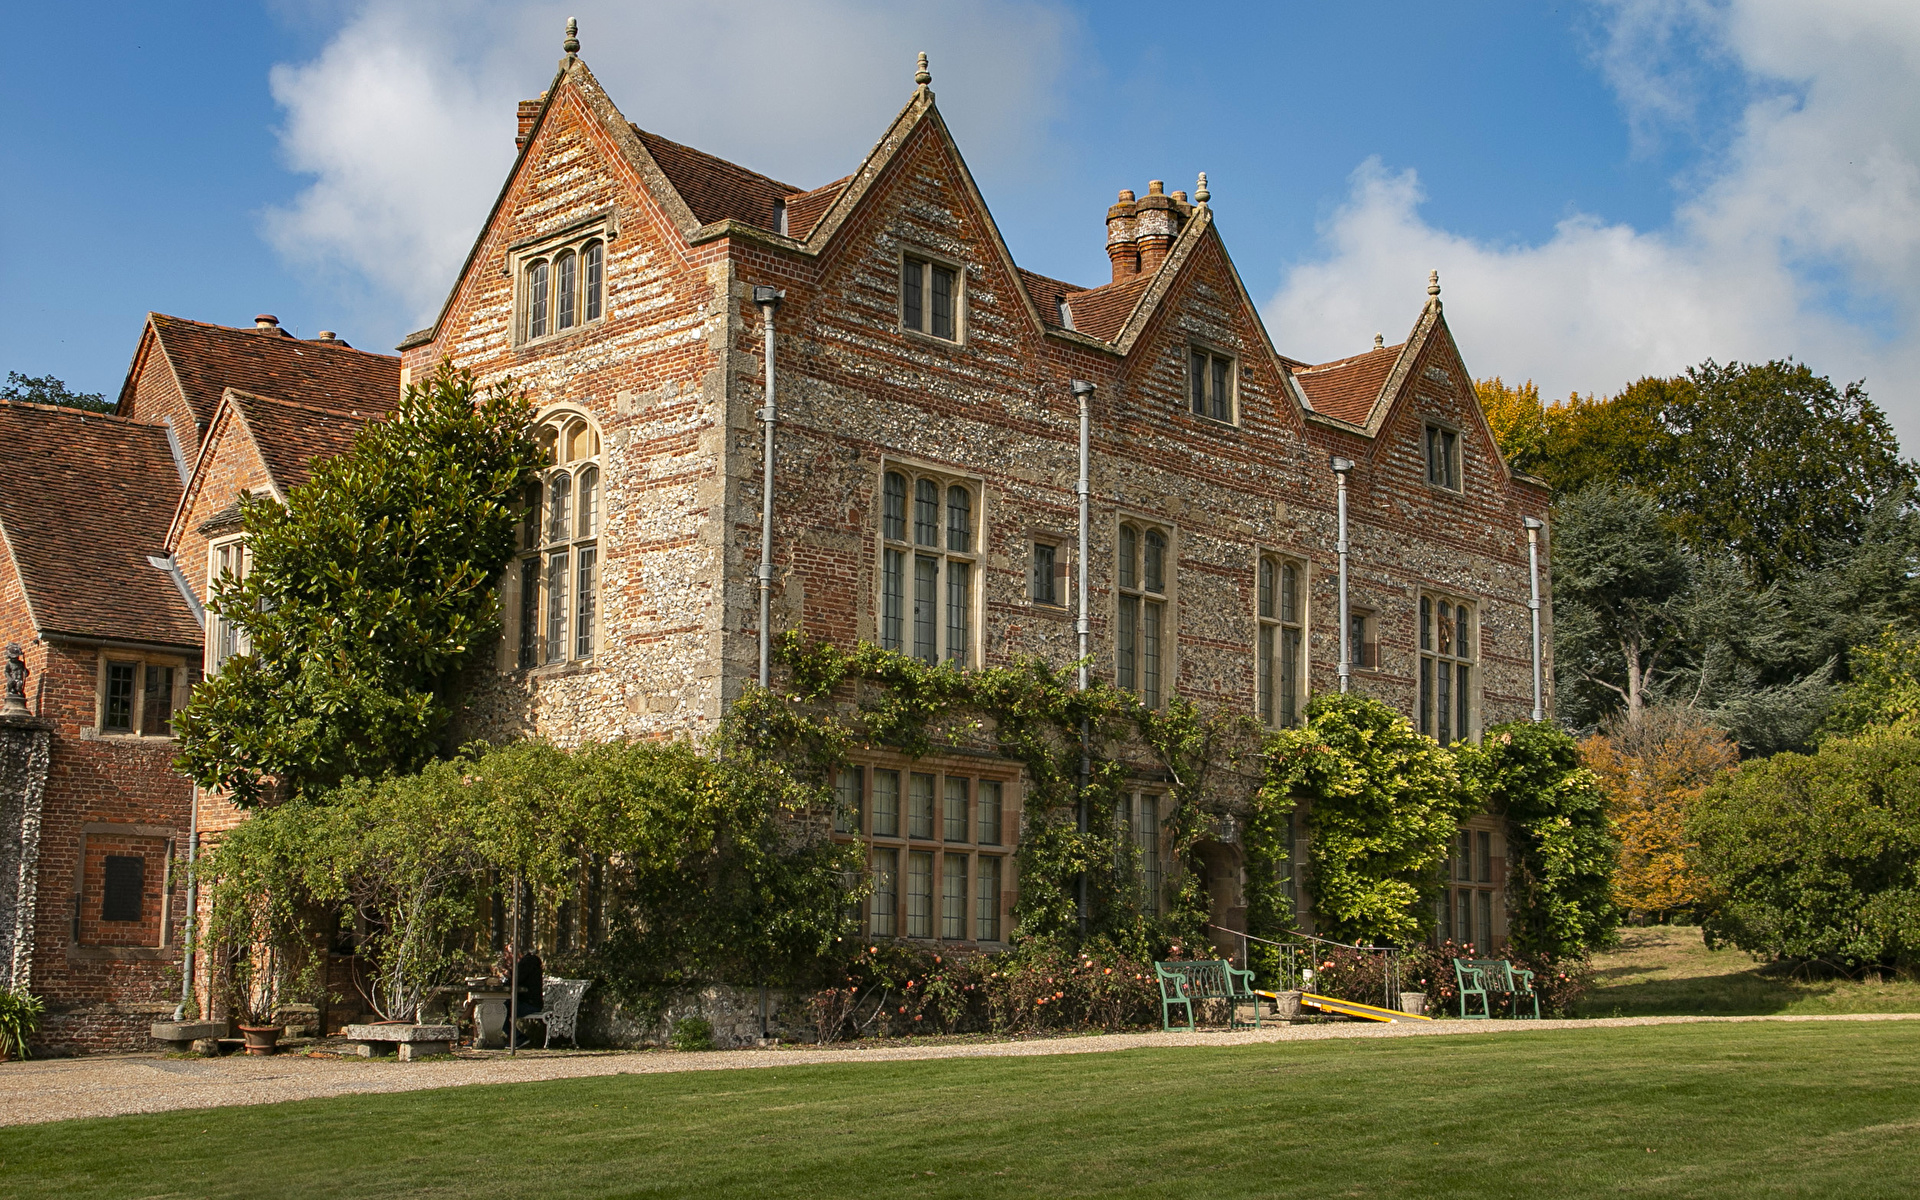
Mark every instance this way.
x=1341 y=466
x=1534 y=526
x=768 y=298
x=1083 y=392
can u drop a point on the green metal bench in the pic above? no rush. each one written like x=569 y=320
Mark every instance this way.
x=1488 y=977
x=1181 y=983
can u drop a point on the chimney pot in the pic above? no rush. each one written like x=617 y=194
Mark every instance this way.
x=266 y=321
x=1126 y=195
x=1156 y=187
x=326 y=335
x=1180 y=196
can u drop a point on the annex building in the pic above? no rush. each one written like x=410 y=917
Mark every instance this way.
x=924 y=495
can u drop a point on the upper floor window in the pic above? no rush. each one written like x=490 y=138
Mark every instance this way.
x=1447 y=675
x=1047 y=574
x=1140 y=630
x=1363 y=633
x=1282 y=627
x=228 y=564
x=1210 y=384
x=929 y=551
x=138 y=694
x=561 y=288
x=1443 y=457
x=930 y=300
x=554 y=591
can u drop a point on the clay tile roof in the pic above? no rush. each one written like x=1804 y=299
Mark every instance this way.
x=1047 y=293
x=1348 y=387
x=84 y=500
x=804 y=209
x=1102 y=312
x=209 y=359
x=714 y=188
x=291 y=435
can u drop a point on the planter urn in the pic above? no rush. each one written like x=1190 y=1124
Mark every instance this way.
x=1413 y=1003
x=261 y=1039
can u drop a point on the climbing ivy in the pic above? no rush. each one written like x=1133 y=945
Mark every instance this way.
x=1079 y=747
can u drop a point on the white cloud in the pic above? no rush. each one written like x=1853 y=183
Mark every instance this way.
x=1800 y=236
x=405 y=119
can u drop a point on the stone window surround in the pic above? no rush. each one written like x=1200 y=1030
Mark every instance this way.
x=947 y=477
x=1428 y=426
x=1304 y=687
x=143 y=658
x=559 y=418
x=165 y=948
x=210 y=662
x=1195 y=348
x=1369 y=621
x=602 y=226
x=1128 y=824
x=961 y=295
x=1170 y=598
x=1469 y=656
x=1484 y=879
x=975 y=768
x=1063 y=572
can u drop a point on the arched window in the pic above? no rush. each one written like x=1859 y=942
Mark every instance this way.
x=1141 y=634
x=565 y=297
x=557 y=575
x=1279 y=655
x=563 y=286
x=935 y=567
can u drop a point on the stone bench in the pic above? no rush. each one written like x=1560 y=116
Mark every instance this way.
x=410 y=1041
x=181 y=1035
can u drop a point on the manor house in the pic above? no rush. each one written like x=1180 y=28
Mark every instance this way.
x=926 y=411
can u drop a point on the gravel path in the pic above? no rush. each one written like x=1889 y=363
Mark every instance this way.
x=104 y=1086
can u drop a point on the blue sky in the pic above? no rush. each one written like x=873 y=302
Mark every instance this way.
x=1609 y=188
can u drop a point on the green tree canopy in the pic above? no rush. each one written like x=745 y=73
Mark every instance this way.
x=45 y=389
x=370 y=591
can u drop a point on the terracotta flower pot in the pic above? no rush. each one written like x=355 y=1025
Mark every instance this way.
x=261 y=1039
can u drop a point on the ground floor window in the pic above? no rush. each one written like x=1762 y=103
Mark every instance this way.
x=937 y=843
x=1465 y=912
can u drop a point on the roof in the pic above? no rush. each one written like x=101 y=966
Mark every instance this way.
x=85 y=499
x=804 y=209
x=1102 y=312
x=716 y=189
x=1347 y=388
x=1047 y=294
x=291 y=435
x=209 y=359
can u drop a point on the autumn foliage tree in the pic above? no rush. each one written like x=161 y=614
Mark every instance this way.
x=1652 y=772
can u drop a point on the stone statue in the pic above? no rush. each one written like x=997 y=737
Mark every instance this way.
x=16 y=698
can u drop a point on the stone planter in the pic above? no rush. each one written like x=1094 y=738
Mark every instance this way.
x=181 y=1036
x=1413 y=1003
x=408 y=1041
x=1286 y=1006
x=261 y=1039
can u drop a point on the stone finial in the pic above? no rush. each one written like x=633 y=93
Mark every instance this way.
x=1379 y=343
x=1433 y=284
x=15 y=704
x=572 y=44
x=1200 y=193
x=921 y=76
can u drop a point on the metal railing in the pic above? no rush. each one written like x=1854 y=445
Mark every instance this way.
x=1298 y=964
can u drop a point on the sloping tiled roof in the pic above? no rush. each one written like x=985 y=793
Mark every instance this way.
x=1047 y=293
x=291 y=435
x=1102 y=312
x=209 y=359
x=714 y=188
x=1348 y=387
x=84 y=500
x=804 y=209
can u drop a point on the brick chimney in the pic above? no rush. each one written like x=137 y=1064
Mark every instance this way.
x=1120 y=245
x=1157 y=219
x=529 y=113
x=268 y=323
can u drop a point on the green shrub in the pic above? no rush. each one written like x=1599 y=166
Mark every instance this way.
x=20 y=1015
x=692 y=1033
x=1816 y=858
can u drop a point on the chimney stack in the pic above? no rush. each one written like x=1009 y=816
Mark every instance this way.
x=1120 y=246
x=267 y=323
x=528 y=114
x=1156 y=222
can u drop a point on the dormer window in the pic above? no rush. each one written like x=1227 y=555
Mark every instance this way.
x=561 y=287
x=930 y=299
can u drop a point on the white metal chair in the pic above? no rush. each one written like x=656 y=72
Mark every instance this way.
x=559 y=1008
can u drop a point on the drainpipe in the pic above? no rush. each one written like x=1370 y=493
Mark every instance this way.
x=1083 y=392
x=1534 y=526
x=1340 y=468
x=186 y=939
x=768 y=298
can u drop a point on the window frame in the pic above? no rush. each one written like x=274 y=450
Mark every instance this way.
x=1453 y=473
x=1208 y=381
x=1462 y=704
x=220 y=631
x=929 y=260
x=528 y=611
x=1062 y=576
x=911 y=550
x=1365 y=648
x=1143 y=600
x=185 y=676
x=945 y=837
x=1472 y=901
x=588 y=307
x=1150 y=872
x=1267 y=659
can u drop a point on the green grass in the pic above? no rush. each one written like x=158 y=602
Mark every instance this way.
x=1668 y=971
x=1738 y=1110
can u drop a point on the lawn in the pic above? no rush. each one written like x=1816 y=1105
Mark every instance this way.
x=1751 y=1109
x=1668 y=971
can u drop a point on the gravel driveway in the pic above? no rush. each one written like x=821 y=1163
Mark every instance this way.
x=112 y=1085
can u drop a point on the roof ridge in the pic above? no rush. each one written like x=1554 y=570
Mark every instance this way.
x=1351 y=358
x=247 y=329
x=303 y=404
x=84 y=414
x=791 y=190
